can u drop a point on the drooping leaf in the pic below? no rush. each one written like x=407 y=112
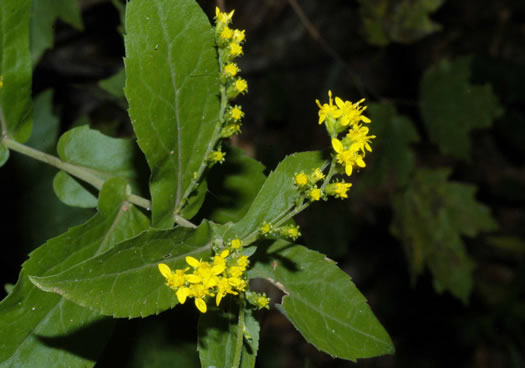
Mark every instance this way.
x=114 y=85
x=15 y=71
x=172 y=90
x=430 y=217
x=403 y=21
x=125 y=281
x=218 y=336
x=234 y=185
x=48 y=216
x=103 y=156
x=452 y=107
x=322 y=302
x=277 y=195
x=39 y=329
x=43 y=17
x=392 y=160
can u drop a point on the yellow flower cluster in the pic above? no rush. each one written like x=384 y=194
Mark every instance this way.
x=308 y=184
x=229 y=43
x=225 y=274
x=346 y=117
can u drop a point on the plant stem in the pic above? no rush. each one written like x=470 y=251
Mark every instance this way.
x=240 y=334
x=80 y=172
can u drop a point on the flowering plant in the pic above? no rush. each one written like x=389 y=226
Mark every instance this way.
x=124 y=263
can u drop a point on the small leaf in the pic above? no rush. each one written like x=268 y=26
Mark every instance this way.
x=125 y=281
x=392 y=159
x=15 y=71
x=43 y=17
x=429 y=218
x=451 y=107
x=172 y=90
x=403 y=21
x=103 y=156
x=278 y=194
x=322 y=302
x=39 y=329
x=235 y=185
x=71 y=192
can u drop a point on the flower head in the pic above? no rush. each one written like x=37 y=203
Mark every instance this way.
x=236 y=243
x=328 y=110
x=235 y=49
x=223 y=18
x=348 y=157
x=351 y=113
x=241 y=85
x=338 y=190
x=216 y=156
x=315 y=194
x=301 y=179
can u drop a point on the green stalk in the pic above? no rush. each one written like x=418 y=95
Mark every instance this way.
x=240 y=334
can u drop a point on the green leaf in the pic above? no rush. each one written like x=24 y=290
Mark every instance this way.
x=451 y=107
x=234 y=185
x=392 y=159
x=103 y=156
x=277 y=196
x=71 y=192
x=43 y=17
x=218 y=336
x=322 y=302
x=39 y=329
x=403 y=21
x=125 y=281
x=114 y=85
x=429 y=218
x=172 y=90
x=15 y=71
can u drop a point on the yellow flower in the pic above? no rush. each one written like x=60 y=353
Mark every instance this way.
x=173 y=279
x=216 y=156
x=224 y=18
x=236 y=113
x=231 y=70
x=182 y=294
x=301 y=179
x=266 y=228
x=360 y=139
x=351 y=113
x=238 y=35
x=290 y=231
x=230 y=129
x=315 y=194
x=235 y=49
x=338 y=190
x=348 y=158
x=328 y=110
x=199 y=292
x=317 y=175
x=236 y=243
x=226 y=33
x=262 y=302
x=241 y=85
x=243 y=262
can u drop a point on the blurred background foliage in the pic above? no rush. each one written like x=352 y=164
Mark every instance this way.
x=433 y=233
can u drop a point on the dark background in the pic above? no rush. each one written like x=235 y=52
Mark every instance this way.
x=287 y=69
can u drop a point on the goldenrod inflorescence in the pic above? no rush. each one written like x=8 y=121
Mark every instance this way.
x=223 y=274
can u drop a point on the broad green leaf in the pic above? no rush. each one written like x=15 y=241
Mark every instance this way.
x=125 y=281
x=114 y=85
x=322 y=302
x=172 y=90
x=103 y=156
x=451 y=107
x=15 y=71
x=234 y=185
x=392 y=159
x=218 y=336
x=39 y=329
x=403 y=21
x=429 y=218
x=278 y=194
x=48 y=216
x=43 y=17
